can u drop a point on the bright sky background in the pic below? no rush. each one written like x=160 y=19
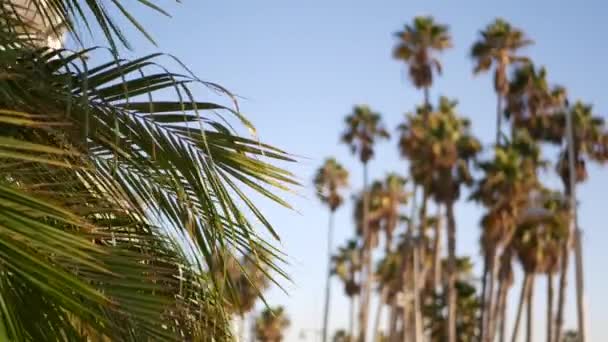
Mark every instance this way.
x=300 y=66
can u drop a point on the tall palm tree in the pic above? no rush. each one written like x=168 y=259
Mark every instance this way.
x=442 y=149
x=363 y=129
x=504 y=190
x=271 y=324
x=586 y=138
x=416 y=46
x=468 y=306
x=329 y=180
x=498 y=45
x=346 y=265
x=537 y=243
x=113 y=204
x=388 y=274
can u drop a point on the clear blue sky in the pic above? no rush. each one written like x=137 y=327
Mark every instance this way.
x=300 y=66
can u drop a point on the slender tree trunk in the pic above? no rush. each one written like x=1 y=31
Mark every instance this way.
x=393 y=316
x=490 y=303
x=437 y=251
x=530 y=310
x=502 y=314
x=451 y=234
x=498 y=118
x=418 y=258
x=520 y=307
x=549 y=307
x=367 y=263
x=484 y=300
x=330 y=232
x=381 y=301
x=351 y=322
x=575 y=234
x=405 y=262
x=495 y=312
x=416 y=292
x=561 y=299
x=427 y=99
x=486 y=312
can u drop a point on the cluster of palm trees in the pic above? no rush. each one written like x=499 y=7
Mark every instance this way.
x=428 y=288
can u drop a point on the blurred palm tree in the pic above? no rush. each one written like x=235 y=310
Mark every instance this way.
x=346 y=265
x=271 y=324
x=114 y=202
x=467 y=308
x=504 y=190
x=441 y=149
x=416 y=44
x=537 y=243
x=498 y=45
x=363 y=129
x=329 y=181
x=342 y=336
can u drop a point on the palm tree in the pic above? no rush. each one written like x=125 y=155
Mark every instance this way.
x=271 y=324
x=342 y=336
x=537 y=243
x=388 y=274
x=416 y=44
x=586 y=137
x=504 y=190
x=498 y=46
x=112 y=203
x=329 y=180
x=468 y=306
x=346 y=265
x=441 y=149
x=363 y=129
x=244 y=281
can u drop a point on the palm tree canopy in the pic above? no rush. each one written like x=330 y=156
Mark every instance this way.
x=345 y=264
x=329 y=180
x=541 y=233
x=363 y=128
x=415 y=47
x=440 y=148
x=504 y=187
x=498 y=45
x=271 y=324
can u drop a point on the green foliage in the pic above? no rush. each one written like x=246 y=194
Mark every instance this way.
x=113 y=203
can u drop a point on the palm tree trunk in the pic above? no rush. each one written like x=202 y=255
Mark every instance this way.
x=549 y=307
x=451 y=234
x=520 y=306
x=381 y=301
x=575 y=233
x=495 y=312
x=392 y=321
x=416 y=293
x=498 y=118
x=530 y=310
x=561 y=297
x=490 y=303
x=437 y=251
x=330 y=231
x=502 y=314
x=484 y=300
x=427 y=99
x=405 y=262
x=367 y=263
x=351 y=322
x=418 y=257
